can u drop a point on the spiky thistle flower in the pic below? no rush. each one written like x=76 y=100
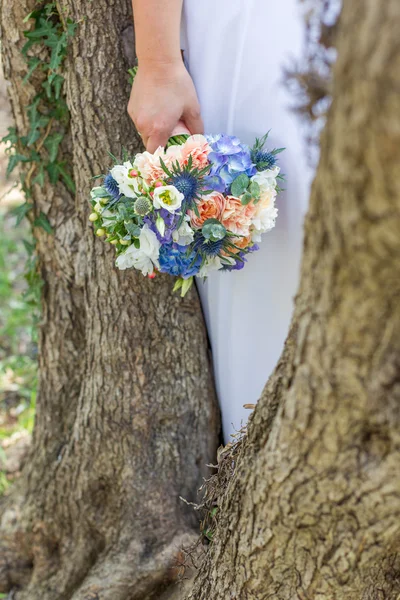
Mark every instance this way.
x=111 y=186
x=261 y=158
x=142 y=206
x=207 y=247
x=189 y=180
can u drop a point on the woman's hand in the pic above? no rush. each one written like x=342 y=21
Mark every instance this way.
x=163 y=101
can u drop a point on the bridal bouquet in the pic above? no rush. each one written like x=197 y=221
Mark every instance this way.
x=198 y=205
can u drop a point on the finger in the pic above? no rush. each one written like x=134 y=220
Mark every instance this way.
x=180 y=129
x=193 y=121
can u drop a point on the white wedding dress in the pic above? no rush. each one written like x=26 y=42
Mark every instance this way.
x=236 y=52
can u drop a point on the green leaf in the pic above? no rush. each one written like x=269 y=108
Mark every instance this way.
x=246 y=198
x=14 y=160
x=255 y=189
x=277 y=151
x=239 y=185
x=59 y=46
x=133 y=229
x=33 y=63
x=39 y=179
x=67 y=179
x=29 y=247
x=21 y=211
x=186 y=285
x=178 y=284
x=213 y=230
x=52 y=144
x=100 y=192
x=43 y=222
x=11 y=137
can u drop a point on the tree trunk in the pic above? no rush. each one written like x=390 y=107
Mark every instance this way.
x=312 y=511
x=126 y=414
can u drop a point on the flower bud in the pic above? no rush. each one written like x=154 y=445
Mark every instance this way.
x=133 y=173
x=125 y=242
x=93 y=217
x=100 y=232
x=114 y=242
x=151 y=275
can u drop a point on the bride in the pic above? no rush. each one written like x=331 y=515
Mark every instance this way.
x=235 y=52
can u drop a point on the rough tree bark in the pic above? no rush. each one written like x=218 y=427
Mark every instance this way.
x=126 y=417
x=313 y=509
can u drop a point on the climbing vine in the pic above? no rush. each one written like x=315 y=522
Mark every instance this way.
x=47 y=36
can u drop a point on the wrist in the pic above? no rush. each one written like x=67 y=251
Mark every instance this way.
x=158 y=65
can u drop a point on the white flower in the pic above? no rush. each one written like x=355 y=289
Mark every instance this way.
x=214 y=263
x=129 y=186
x=266 y=179
x=184 y=235
x=144 y=258
x=168 y=197
x=263 y=222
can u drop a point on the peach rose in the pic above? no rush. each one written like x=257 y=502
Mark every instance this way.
x=149 y=165
x=210 y=207
x=240 y=242
x=236 y=217
x=198 y=148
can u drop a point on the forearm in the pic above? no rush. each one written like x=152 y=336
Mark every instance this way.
x=157 y=31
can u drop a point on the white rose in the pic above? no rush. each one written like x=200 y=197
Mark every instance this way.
x=145 y=258
x=266 y=179
x=184 y=235
x=168 y=197
x=129 y=186
x=263 y=222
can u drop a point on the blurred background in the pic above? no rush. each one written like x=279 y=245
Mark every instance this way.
x=18 y=318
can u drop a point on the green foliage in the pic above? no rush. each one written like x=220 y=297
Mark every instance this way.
x=239 y=185
x=213 y=230
x=47 y=114
x=40 y=150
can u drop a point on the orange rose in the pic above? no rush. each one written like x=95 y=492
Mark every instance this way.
x=236 y=217
x=211 y=207
x=198 y=148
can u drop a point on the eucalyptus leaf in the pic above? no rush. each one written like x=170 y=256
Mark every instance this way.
x=213 y=230
x=246 y=198
x=239 y=185
x=132 y=229
x=100 y=192
x=255 y=189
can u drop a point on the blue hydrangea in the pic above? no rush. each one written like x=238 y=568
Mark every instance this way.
x=111 y=186
x=176 y=260
x=229 y=159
